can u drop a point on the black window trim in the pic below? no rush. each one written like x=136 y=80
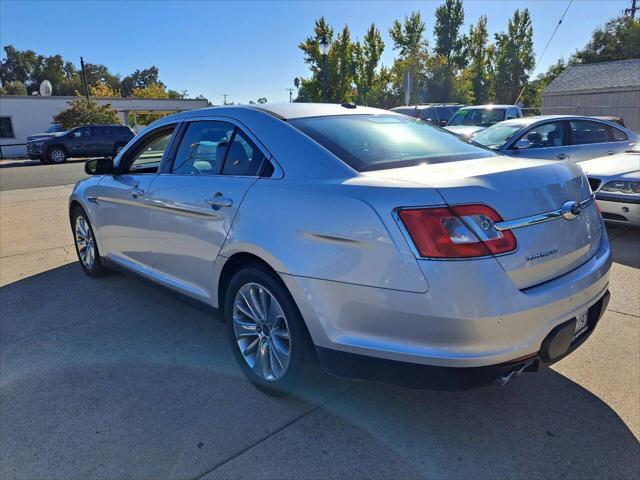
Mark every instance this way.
x=13 y=131
x=267 y=157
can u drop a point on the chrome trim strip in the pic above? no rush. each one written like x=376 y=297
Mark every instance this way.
x=539 y=218
x=122 y=201
x=181 y=209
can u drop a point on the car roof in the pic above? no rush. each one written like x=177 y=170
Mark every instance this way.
x=543 y=118
x=484 y=107
x=426 y=105
x=288 y=111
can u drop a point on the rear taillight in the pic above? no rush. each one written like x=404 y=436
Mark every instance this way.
x=462 y=231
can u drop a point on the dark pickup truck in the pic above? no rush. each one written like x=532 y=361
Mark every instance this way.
x=85 y=141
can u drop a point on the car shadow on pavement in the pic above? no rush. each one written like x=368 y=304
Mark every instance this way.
x=626 y=244
x=112 y=378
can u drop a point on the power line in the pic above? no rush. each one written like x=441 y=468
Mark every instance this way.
x=546 y=46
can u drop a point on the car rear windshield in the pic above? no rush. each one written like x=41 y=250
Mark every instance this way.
x=477 y=117
x=376 y=142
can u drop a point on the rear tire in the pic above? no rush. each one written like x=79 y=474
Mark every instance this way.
x=56 y=155
x=85 y=243
x=266 y=331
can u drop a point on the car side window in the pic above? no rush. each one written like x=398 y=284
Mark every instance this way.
x=584 y=132
x=444 y=114
x=146 y=155
x=99 y=131
x=243 y=157
x=203 y=148
x=512 y=113
x=542 y=136
x=81 y=132
x=617 y=135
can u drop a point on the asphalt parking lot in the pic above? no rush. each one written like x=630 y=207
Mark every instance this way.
x=114 y=378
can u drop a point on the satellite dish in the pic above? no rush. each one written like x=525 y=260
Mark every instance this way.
x=46 y=89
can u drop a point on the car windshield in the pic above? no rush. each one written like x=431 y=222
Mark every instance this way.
x=496 y=136
x=477 y=117
x=376 y=142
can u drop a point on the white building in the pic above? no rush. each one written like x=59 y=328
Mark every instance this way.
x=21 y=116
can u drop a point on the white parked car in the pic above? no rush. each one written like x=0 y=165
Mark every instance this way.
x=379 y=244
x=616 y=183
x=468 y=121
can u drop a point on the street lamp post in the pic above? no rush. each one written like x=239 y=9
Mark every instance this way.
x=324 y=51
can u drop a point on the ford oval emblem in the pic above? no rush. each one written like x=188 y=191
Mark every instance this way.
x=571 y=210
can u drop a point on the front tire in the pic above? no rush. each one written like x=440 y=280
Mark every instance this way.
x=86 y=246
x=266 y=332
x=57 y=155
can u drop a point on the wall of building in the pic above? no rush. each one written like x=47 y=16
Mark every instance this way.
x=34 y=114
x=623 y=103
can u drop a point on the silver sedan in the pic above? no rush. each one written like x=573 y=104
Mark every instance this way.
x=384 y=247
x=557 y=137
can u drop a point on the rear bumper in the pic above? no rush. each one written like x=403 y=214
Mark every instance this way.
x=471 y=316
x=558 y=344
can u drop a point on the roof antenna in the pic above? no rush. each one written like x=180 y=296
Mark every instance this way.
x=348 y=105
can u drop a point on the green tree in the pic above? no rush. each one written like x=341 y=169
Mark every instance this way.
x=17 y=65
x=443 y=84
x=477 y=52
x=619 y=39
x=367 y=57
x=84 y=112
x=409 y=40
x=140 y=79
x=14 y=88
x=446 y=30
x=514 y=58
x=311 y=89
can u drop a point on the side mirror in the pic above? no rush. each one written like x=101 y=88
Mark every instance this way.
x=99 y=166
x=443 y=123
x=523 y=144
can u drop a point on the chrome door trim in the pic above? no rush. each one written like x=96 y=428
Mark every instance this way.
x=188 y=210
x=123 y=201
x=541 y=217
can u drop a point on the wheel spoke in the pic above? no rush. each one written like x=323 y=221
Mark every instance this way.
x=249 y=304
x=245 y=311
x=256 y=303
x=250 y=347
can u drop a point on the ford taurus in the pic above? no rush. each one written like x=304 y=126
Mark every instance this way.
x=381 y=246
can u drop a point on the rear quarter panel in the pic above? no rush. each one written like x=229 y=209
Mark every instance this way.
x=331 y=230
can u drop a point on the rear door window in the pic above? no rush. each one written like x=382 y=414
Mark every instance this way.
x=584 y=132
x=617 y=135
x=444 y=113
x=243 y=157
x=203 y=148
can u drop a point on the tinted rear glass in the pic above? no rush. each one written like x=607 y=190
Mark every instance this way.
x=412 y=112
x=375 y=142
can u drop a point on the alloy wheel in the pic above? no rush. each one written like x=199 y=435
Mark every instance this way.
x=85 y=242
x=262 y=331
x=57 y=155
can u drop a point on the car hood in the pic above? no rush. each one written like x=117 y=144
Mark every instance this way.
x=612 y=165
x=43 y=136
x=464 y=130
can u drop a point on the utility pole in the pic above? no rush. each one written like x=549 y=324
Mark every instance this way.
x=84 y=78
x=290 y=90
x=634 y=8
x=225 y=95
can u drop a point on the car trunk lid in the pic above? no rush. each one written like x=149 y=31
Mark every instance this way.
x=518 y=189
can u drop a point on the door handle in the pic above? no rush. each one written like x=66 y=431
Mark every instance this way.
x=561 y=156
x=218 y=201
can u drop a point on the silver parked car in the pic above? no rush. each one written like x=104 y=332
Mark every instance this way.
x=616 y=182
x=557 y=137
x=385 y=247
